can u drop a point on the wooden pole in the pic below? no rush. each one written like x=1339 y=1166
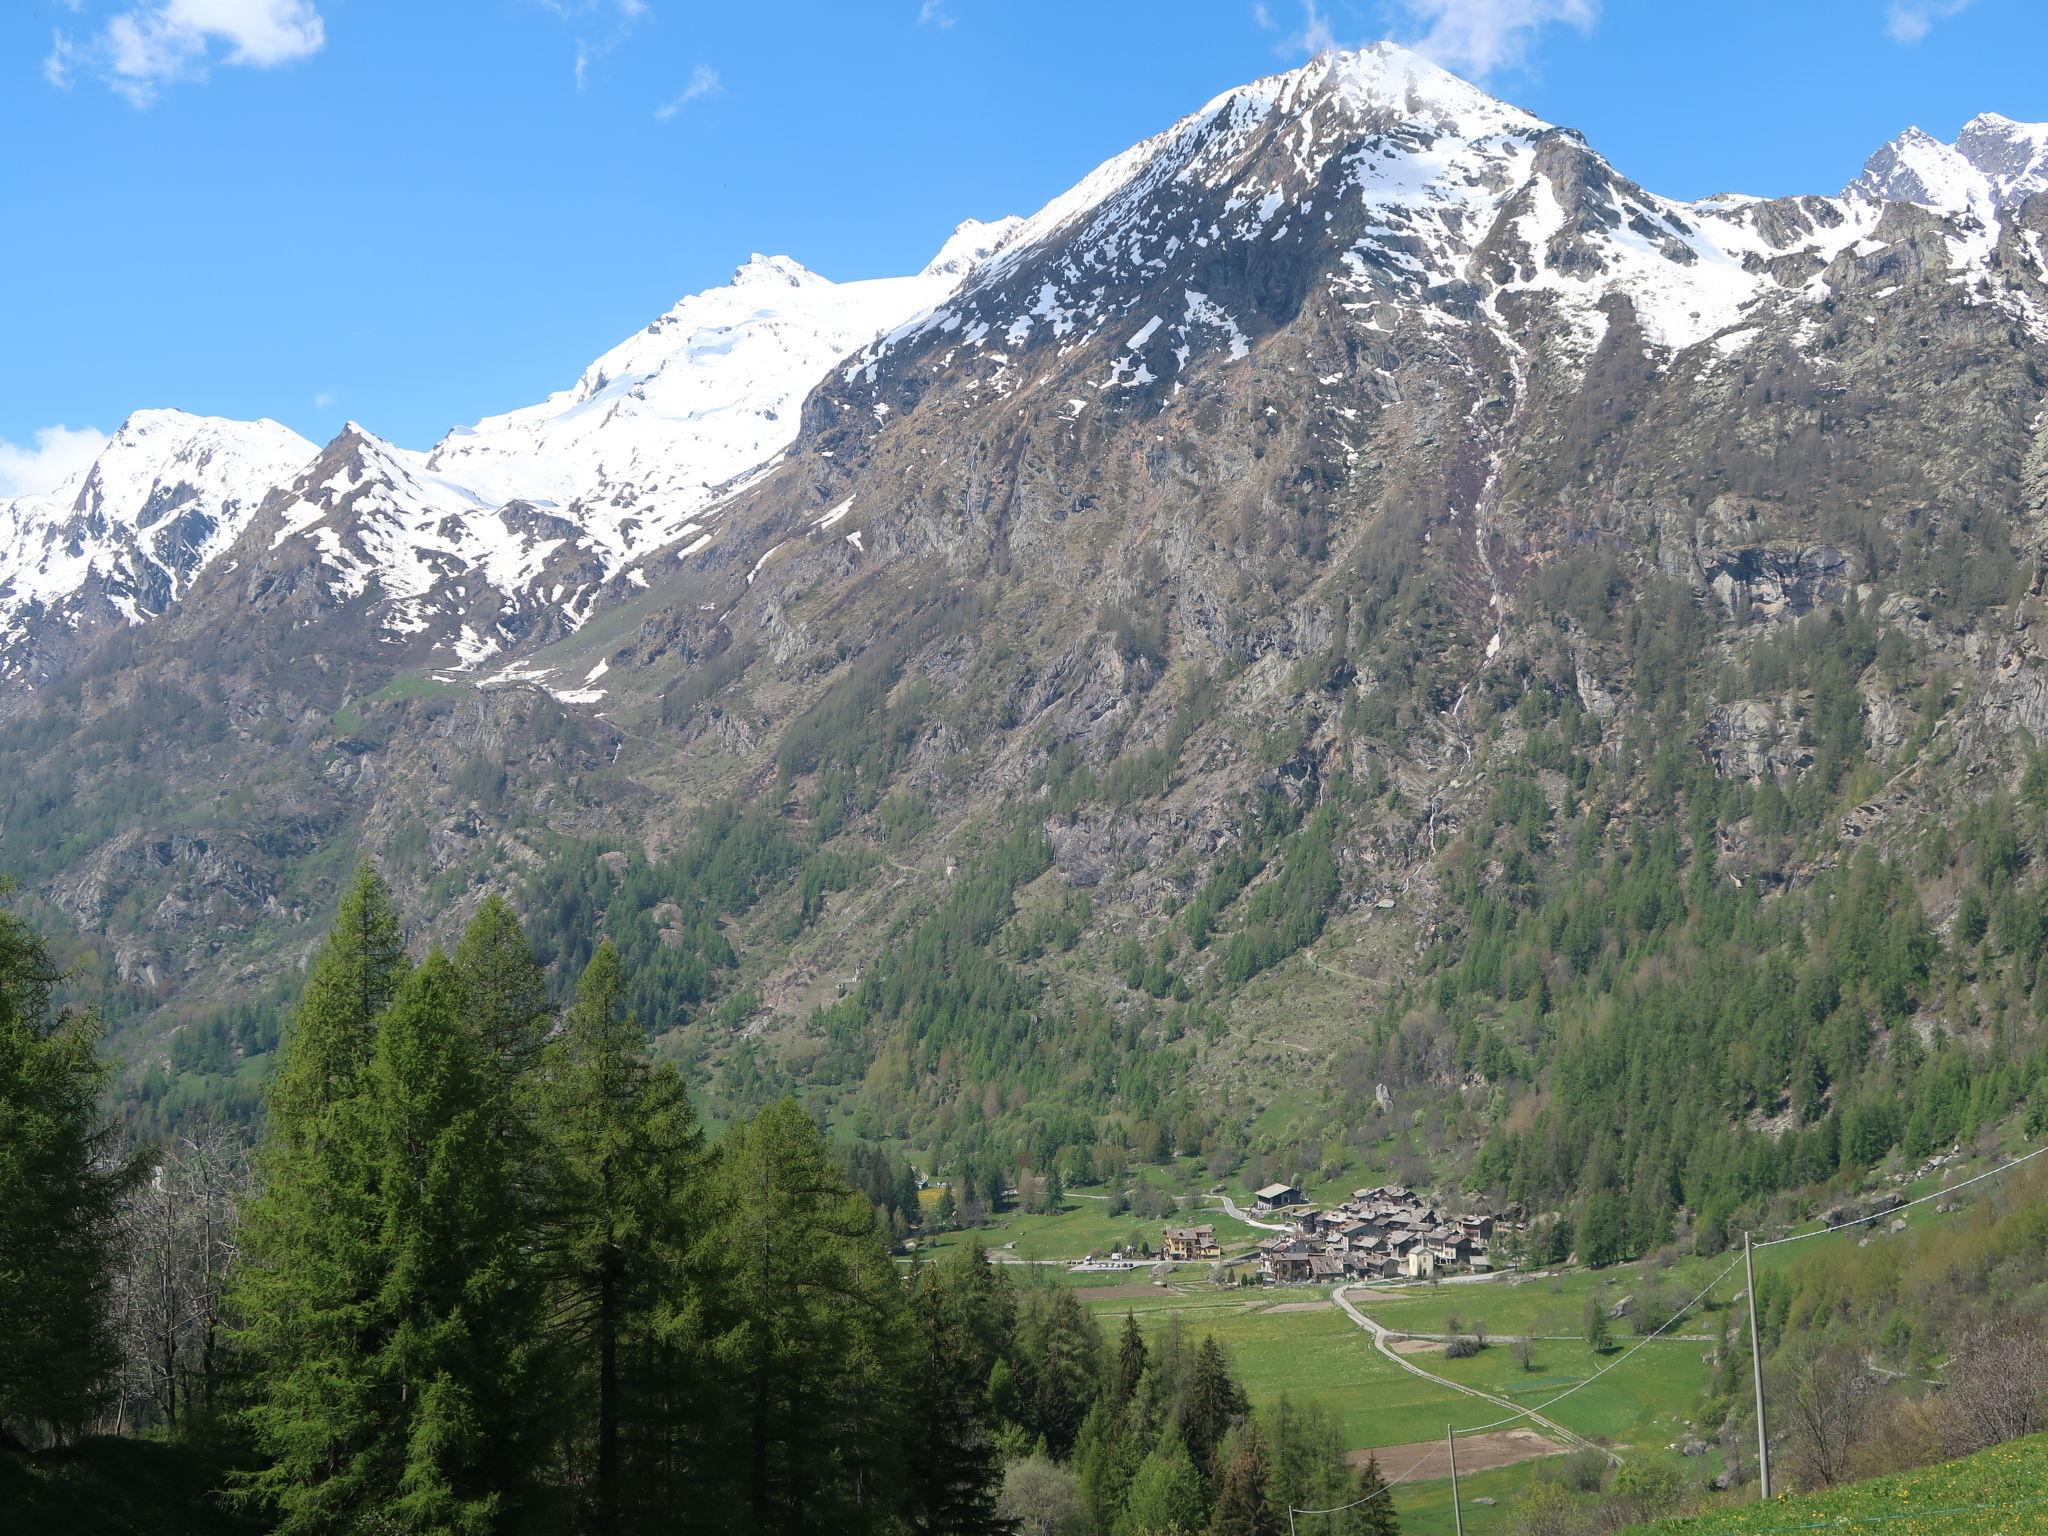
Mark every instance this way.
x=1457 y=1510
x=1756 y=1367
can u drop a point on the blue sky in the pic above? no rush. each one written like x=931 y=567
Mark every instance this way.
x=416 y=212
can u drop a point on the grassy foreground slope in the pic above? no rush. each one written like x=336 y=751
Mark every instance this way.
x=1999 y=1492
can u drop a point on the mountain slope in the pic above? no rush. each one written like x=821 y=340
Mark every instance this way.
x=1356 y=595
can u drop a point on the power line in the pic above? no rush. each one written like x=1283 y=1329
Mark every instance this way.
x=1680 y=1314
x=1380 y=1492
x=1945 y=1190
x=1613 y=1364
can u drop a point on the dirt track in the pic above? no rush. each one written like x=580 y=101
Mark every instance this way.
x=1478 y=1453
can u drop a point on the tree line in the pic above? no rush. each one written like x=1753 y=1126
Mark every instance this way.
x=484 y=1271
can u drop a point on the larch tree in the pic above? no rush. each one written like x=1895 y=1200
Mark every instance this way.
x=953 y=1471
x=311 y=1264
x=1242 y=1508
x=60 y=1191
x=810 y=1343
x=462 y=1423
x=626 y=1242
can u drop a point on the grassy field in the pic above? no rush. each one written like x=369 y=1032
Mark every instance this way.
x=1999 y=1492
x=1320 y=1357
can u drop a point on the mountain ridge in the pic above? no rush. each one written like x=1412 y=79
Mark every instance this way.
x=1463 y=538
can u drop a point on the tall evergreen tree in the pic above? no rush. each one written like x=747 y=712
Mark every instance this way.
x=311 y=1263
x=326 y=1052
x=507 y=991
x=1373 y=1512
x=626 y=1242
x=1210 y=1403
x=58 y=1204
x=1241 y=1507
x=952 y=1469
x=1066 y=1350
x=809 y=1347
x=1130 y=1362
x=457 y=1314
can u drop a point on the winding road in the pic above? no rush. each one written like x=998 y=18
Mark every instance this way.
x=1380 y=1338
x=1230 y=1209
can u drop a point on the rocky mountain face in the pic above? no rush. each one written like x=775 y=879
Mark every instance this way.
x=1994 y=163
x=122 y=542
x=1248 y=527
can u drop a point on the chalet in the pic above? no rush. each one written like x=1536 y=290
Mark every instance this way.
x=1276 y=1197
x=1292 y=1263
x=1184 y=1244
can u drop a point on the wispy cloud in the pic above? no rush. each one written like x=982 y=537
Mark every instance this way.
x=602 y=25
x=704 y=81
x=322 y=400
x=1483 y=37
x=1908 y=21
x=57 y=455
x=141 y=49
x=933 y=13
x=1316 y=34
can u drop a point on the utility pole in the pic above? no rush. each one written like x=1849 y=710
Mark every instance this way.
x=1457 y=1510
x=1756 y=1367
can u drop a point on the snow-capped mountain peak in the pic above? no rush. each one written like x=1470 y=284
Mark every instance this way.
x=635 y=456
x=120 y=542
x=1916 y=167
x=2012 y=157
x=1994 y=163
x=972 y=242
x=772 y=272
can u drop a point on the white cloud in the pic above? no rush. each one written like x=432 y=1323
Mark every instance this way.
x=704 y=81
x=933 y=14
x=1261 y=17
x=1480 y=37
x=1907 y=21
x=148 y=46
x=58 y=454
x=1316 y=34
x=322 y=400
x=618 y=18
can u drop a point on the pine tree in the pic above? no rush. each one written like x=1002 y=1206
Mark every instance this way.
x=1130 y=1362
x=1210 y=1404
x=1107 y=1454
x=1373 y=1513
x=809 y=1348
x=982 y=1301
x=1066 y=1351
x=58 y=1204
x=626 y=1243
x=1241 y=1506
x=326 y=1053
x=311 y=1262
x=1599 y=1334
x=506 y=990
x=952 y=1468
x=457 y=1314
